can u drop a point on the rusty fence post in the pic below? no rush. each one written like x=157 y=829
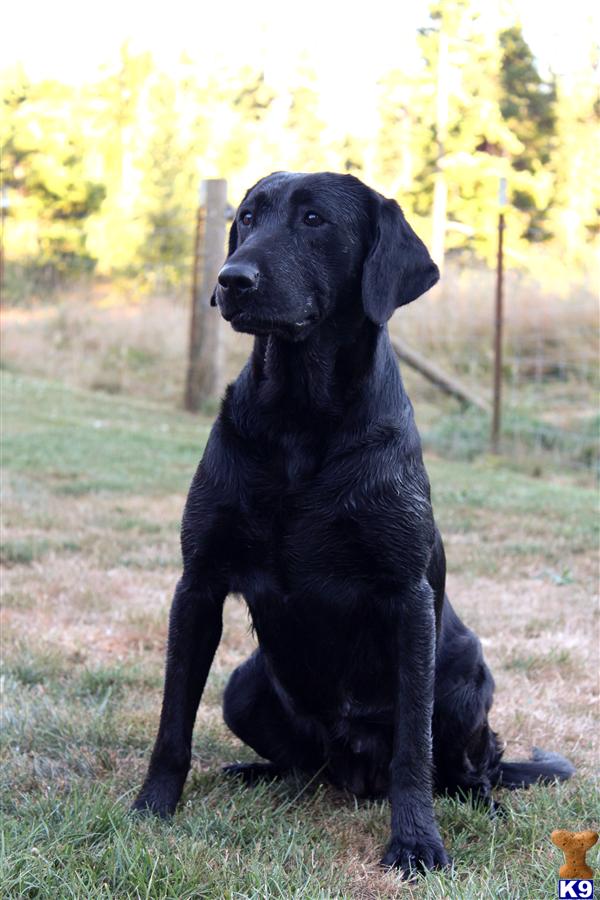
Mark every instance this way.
x=498 y=325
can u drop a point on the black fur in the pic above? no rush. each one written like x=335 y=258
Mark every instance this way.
x=312 y=501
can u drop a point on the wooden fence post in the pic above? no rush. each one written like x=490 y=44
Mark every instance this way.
x=4 y=209
x=205 y=363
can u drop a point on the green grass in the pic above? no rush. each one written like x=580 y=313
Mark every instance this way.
x=24 y=552
x=31 y=550
x=91 y=556
x=79 y=442
x=553 y=658
x=273 y=842
x=526 y=441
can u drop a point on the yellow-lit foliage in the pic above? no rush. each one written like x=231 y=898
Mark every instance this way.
x=107 y=175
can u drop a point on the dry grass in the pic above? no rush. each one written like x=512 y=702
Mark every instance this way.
x=116 y=340
x=86 y=583
x=112 y=343
x=103 y=601
x=112 y=340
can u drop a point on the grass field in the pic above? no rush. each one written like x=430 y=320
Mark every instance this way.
x=93 y=491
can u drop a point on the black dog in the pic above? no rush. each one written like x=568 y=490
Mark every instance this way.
x=313 y=502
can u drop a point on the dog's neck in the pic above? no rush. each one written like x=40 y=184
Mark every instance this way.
x=318 y=375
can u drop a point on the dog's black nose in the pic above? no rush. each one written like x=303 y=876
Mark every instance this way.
x=238 y=277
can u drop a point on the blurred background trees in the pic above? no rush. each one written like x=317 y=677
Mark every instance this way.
x=44 y=166
x=105 y=176
x=101 y=177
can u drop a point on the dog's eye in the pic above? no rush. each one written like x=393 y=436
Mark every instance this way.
x=313 y=219
x=246 y=218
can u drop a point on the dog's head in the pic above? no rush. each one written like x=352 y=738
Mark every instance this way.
x=303 y=247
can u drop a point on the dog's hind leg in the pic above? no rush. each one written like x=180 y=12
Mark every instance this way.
x=256 y=714
x=466 y=751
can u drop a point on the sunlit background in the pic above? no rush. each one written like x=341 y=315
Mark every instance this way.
x=113 y=115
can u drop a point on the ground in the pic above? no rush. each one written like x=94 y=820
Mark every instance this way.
x=93 y=491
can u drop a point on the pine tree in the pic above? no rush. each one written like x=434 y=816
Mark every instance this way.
x=528 y=105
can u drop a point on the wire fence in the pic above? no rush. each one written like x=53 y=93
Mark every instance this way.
x=550 y=374
x=131 y=335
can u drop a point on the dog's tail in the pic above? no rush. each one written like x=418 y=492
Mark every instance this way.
x=542 y=768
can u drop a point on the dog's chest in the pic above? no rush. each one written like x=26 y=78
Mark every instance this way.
x=322 y=548
x=310 y=536
x=314 y=522
x=295 y=458
x=282 y=504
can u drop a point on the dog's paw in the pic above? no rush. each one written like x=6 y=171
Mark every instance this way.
x=416 y=854
x=151 y=804
x=252 y=773
x=159 y=796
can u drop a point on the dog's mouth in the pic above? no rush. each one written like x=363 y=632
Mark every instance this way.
x=249 y=324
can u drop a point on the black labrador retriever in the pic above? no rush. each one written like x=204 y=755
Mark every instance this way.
x=312 y=501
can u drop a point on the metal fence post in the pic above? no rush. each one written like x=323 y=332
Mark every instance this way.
x=498 y=324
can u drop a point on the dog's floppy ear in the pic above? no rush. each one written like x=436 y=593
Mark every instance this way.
x=398 y=268
x=231 y=248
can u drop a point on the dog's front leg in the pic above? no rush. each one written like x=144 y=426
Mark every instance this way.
x=415 y=842
x=195 y=626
